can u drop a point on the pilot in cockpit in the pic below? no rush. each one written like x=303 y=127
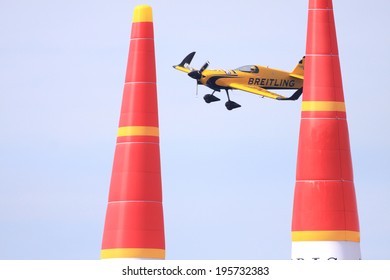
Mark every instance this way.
x=254 y=69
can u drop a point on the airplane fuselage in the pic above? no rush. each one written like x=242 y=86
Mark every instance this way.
x=266 y=78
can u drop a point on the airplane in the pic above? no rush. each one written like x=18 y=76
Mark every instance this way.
x=255 y=79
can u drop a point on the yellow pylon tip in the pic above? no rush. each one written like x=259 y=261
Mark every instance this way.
x=143 y=13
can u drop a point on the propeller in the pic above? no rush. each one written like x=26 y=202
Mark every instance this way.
x=197 y=74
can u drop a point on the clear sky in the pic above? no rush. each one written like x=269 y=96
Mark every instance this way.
x=228 y=176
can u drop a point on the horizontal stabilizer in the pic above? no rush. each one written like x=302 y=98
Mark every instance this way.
x=293 y=97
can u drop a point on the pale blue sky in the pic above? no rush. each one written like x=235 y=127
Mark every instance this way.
x=228 y=177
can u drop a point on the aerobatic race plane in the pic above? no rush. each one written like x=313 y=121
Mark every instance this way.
x=255 y=79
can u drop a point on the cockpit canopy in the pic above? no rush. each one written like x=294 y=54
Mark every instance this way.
x=248 y=69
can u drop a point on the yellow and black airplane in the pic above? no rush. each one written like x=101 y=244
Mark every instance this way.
x=251 y=78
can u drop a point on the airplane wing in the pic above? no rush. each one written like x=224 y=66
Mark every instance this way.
x=257 y=90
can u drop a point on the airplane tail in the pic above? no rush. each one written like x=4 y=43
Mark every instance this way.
x=293 y=97
x=298 y=70
x=185 y=64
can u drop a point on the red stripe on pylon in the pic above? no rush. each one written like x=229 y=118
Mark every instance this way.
x=134 y=225
x=322 y=44
x=325 y=205
x=324 y=150
x=323 y=81
x=142 y=30
x=320 y=4
x=139 y=105
x=142 y=57
x=136 y=173
x=138 y=139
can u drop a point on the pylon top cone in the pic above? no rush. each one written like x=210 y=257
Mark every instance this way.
x=325 y=221
x=143 y=13
x=134 y=226
x=323 y=91
x=139 y=115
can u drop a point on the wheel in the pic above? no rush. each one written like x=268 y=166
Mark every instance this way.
x=210 y=98
x=207 y=98
x=230 y=105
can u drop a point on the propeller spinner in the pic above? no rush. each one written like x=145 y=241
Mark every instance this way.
x=197 y=74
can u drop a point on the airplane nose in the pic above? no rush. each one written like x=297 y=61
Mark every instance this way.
x=195 y=74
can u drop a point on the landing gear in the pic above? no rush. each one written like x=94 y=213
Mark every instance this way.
x=210 y=98
x=230 y=105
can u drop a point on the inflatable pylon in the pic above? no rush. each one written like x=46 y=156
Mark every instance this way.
x=134 y=225
x=325 y=222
